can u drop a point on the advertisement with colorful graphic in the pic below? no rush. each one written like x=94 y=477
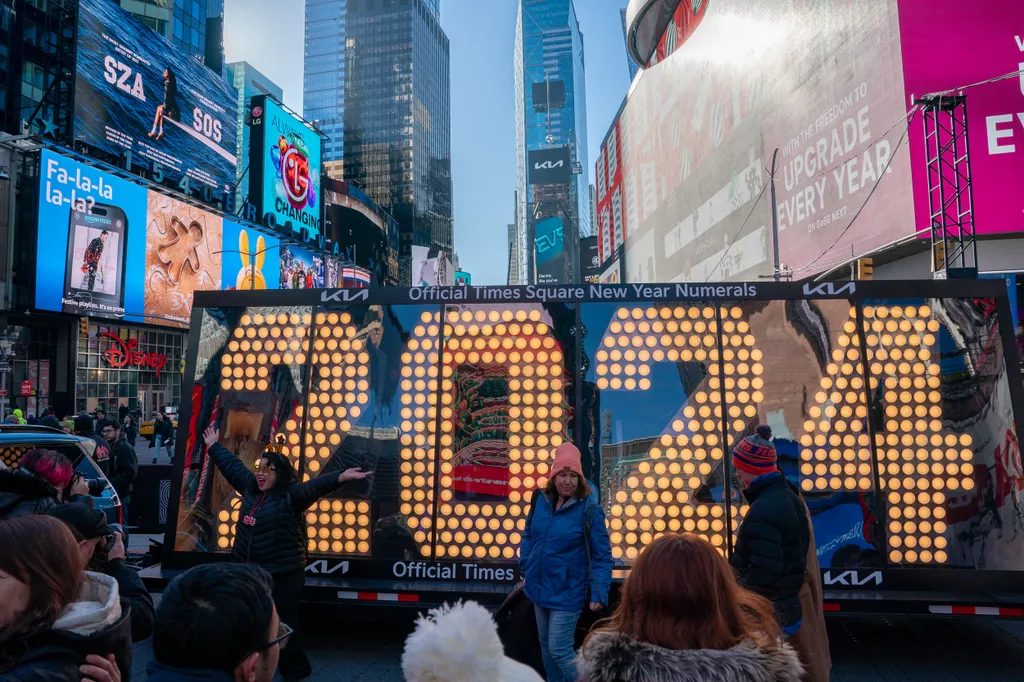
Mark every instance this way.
x=251 y=260
x=110 y=248
x=301 y=269
x=550 y=241
x=431 y=267
x=285 y=163
x=136 y=93
x=988 y=41
x=463 y=278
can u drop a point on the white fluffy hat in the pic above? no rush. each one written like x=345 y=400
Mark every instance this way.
x=460 y=644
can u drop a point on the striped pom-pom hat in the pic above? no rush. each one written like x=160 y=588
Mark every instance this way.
x=755 y=454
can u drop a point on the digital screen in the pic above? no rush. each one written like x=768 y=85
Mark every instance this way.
x=550 y=250
x=301 y=269
x=892 y=416
x=550 y=166
x=137 y=93
x=285 y=162
x=431 y=267
x=111 y=248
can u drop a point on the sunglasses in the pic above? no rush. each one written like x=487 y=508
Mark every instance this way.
x=258 y=468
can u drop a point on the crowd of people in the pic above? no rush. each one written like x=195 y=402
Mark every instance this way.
x=70 y=607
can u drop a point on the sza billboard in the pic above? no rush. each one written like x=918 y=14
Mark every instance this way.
x=285 y=163
x=135 y=93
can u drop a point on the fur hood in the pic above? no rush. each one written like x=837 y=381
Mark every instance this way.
x=612 y=657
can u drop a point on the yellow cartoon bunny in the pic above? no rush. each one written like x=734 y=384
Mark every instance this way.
x=251 y=274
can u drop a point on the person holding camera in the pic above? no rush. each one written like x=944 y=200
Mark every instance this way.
x=102 y=549
x=43 y=480
x=123 y=465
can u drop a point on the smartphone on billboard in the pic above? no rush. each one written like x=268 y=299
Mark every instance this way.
x=94 y=276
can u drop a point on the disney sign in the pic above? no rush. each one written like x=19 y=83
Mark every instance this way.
x=126 y=354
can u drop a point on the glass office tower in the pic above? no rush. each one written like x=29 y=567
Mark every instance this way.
x=397 y=118
x=323 y=97
x=551 y=112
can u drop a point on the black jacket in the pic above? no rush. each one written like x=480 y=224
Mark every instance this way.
x=613 y=657
x=22 y=494
x=277 y=539
x=134 y=592
x=122 y=467
x=163 y=428
x=99 y=625
x=771 y=545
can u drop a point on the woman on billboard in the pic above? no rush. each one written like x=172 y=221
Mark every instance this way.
x=271 y=529
x=170 y=106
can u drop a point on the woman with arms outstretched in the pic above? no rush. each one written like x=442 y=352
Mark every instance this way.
x=271 y=530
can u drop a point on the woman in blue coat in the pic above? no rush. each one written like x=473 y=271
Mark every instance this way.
x=566 y=560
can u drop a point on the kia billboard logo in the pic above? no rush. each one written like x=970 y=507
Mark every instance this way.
x=550 y=166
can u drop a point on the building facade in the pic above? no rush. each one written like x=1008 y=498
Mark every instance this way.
x=550 y=113
x=323 y=80
x=196 y=27
x=397 y=118
x=634 y=69
x=249 y=82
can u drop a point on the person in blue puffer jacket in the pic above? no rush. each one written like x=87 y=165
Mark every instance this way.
x=566 y=560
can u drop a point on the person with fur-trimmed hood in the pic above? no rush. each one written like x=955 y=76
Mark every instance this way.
x=460 y=644
x=684 y=618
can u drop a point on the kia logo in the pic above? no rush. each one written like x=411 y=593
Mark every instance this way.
x=548 y=165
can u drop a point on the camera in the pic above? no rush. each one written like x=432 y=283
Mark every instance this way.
x=100 y=556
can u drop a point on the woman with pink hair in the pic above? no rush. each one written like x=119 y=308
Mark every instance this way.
x=37 y=485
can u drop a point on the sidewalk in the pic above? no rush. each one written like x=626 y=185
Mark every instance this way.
x=145 y=452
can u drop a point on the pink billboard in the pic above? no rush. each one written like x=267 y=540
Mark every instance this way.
x=949 y=44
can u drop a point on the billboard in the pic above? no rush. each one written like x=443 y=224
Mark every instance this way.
x=988 y=42
x=284 y=161
x=301 y=269
x=822 y=82
x=431 y=267
x=550 y=250
x=251 y=260
x=549 y=166
x=463 y=278
x=358 y=231
x=590 y=263
x=111 y=248
x=136 y=94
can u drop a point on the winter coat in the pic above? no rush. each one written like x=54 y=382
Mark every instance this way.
x=811 y=641
x=122 y=468
x=277 y=539
x=133 y=591
x=772 y=543
x=163 y=428
x=96 y=623
x=22 y=494
x=614 y=657
x=158 y=672
x=554 y=553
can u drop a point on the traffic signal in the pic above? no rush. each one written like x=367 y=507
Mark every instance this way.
x=865 y=268
x=83 y=326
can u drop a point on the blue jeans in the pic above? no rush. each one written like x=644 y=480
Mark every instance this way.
x=557 y=629
x=157 y=442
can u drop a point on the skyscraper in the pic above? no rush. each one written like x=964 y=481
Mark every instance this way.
x=633 y=68
x=323 y=97
x=397 y=118
x=196 y=27
x=249 y=82
x=551 y=114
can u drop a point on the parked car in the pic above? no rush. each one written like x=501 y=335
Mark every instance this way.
x=16 y=440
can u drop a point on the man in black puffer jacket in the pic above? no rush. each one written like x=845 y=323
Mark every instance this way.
x=772 y=542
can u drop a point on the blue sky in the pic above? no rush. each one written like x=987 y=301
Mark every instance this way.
x=482 y=33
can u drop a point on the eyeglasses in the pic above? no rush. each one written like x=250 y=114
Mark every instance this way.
x=257 y=467
x=284 y=631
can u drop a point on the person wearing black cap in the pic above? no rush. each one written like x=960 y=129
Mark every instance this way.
x=102 y=550
x=124 y=463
